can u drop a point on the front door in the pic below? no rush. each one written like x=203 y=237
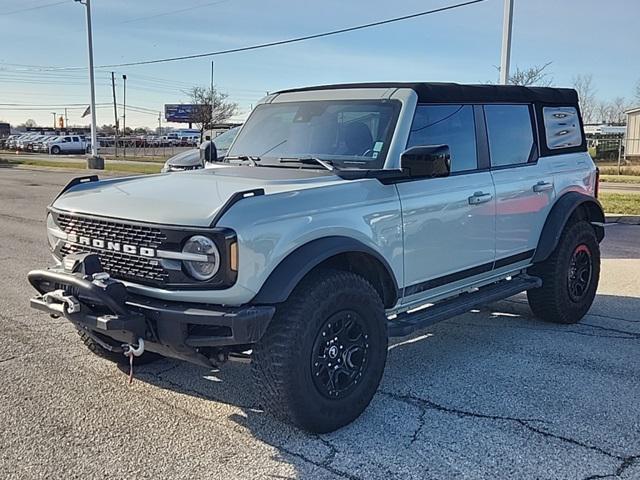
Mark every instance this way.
x=449 y=223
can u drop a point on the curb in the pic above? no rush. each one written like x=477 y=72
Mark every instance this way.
x=624 y=219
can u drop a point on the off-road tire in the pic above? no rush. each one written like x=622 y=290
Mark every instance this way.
x=553 y=301
x=116 y=357
x=283 y=360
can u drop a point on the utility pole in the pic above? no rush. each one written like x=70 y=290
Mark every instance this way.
x=66 y=120
x=124 y=115
x=212 y=110
x=159 y=123
x=94 y=161
x=507 y=25
x=115 y=110
x=54 y=119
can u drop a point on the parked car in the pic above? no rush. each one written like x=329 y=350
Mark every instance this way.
x=43 y=145
x=9 y=142
x=68 y=144
x=347 y=214
x=199 y=157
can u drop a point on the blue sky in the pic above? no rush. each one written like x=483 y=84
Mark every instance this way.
x=463 y=45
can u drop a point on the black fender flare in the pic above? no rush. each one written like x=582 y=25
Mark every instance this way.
x=292 y=269
x=558 y=217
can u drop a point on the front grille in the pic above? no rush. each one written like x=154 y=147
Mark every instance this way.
x=138 y=235
x=118 y=264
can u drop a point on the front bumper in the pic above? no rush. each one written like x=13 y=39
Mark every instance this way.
x=197 y=333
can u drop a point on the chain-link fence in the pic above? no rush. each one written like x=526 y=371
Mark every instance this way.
x=620 y=153
x=131 y=148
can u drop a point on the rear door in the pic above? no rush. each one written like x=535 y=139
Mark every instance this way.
x=449 y=230
x=524 y=186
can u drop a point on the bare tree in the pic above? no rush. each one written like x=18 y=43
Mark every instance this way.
x=532 y=76
x=637 y=93
x=618 y=107
x=29 y=123
x=603 y=112
x=587 y=96
x=213 y=107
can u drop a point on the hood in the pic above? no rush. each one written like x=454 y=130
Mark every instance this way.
x=185 y=159
x=190 y=198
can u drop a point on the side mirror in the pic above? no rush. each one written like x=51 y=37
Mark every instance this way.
x=428 y=161
x=209 y=154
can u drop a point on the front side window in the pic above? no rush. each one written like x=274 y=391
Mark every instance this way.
x=451 y=125
x=510 y=134
x=349 y=133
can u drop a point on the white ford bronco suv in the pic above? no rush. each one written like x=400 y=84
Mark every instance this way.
x=341 y=216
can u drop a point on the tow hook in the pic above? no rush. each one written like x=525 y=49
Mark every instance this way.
x=131 y=351
x=59 y=300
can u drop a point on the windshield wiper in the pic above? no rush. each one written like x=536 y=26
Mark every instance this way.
x=248 y=158
x=310 y=161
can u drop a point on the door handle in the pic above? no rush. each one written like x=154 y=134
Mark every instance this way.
x=479 y=197
x=542 y=187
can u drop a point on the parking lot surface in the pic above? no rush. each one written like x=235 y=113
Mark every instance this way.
x=489 y=394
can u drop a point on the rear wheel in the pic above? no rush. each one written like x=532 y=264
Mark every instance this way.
x=569 y=276
x=320 y=361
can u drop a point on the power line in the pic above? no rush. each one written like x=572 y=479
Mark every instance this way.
x=164 y=14
x=270 y=44
x=296 y=39
x=46 y=5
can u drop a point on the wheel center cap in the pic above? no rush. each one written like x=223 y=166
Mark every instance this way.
x=333 y=351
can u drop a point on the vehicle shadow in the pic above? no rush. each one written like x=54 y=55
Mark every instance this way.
x=484 y=376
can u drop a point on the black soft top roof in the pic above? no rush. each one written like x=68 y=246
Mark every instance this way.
x=455 y=92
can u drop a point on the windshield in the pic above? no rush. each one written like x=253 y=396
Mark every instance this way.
x=350 y=134
x=224 y=140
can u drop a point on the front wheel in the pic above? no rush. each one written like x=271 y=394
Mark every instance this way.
x=569 y=277
x=55 y=150
x=321 y=359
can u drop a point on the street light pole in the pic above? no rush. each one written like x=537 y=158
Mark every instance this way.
x=94 y=161
x=124 y=115
x=54 y=119
x=507 y=25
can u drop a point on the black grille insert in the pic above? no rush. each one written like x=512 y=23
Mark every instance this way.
x=118 y=264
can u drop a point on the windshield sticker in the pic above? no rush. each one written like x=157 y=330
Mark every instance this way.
x=378 y=146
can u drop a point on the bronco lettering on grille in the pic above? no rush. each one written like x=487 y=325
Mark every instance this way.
x=110 y=245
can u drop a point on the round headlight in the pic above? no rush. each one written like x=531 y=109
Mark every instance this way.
x=205 y=260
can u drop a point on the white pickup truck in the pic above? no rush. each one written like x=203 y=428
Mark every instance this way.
x=68 y=144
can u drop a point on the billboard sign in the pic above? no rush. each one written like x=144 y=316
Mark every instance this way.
x=181 y=112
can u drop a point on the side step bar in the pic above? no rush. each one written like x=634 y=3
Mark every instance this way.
x=407 y=323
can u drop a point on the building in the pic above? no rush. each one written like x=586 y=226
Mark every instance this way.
x=632 y=143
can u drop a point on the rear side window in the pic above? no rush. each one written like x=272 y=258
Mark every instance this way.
x=562 y=127
x=76 y=139
x=451 y=125
x=510 y=134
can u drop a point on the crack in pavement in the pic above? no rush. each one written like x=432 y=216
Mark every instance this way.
x=589 y=314
x=634 y=335
x=624 y=335
x=3 y=360
x=324 y=464
x=624 y=465
x=425 y=404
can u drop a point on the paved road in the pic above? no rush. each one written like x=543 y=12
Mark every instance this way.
x=614 y=187
x=490 y=394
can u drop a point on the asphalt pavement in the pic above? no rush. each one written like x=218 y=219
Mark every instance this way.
x=491 y=394
x=617 y=187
